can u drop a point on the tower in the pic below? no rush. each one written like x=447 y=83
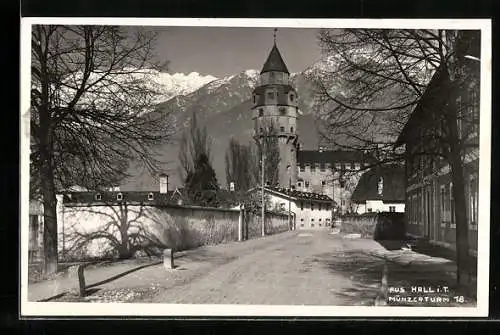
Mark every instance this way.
x=275 y=112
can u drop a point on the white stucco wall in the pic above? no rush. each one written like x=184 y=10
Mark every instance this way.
x=378 y=206
x=306 y=217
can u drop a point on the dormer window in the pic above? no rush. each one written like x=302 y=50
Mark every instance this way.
x=151 y=196
x=119 y=197
x=98 y=197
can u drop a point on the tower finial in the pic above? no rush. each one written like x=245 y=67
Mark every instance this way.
x=275 y=31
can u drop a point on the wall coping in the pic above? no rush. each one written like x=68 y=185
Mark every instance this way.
x=138 y=203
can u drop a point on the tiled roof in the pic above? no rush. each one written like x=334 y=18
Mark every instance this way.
x=393 y=182
x=299 y=194
x=332 y=156
x=274 y=62
x=112 y=197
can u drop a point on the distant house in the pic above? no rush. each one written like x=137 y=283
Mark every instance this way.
x=381 y=189
x=307 y=210
x=334 y=173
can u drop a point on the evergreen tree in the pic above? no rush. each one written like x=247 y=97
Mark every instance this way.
x=201 y=183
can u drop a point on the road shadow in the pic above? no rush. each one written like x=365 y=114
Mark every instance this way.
x=364 y=272
x=424 y=247
x=122 y=274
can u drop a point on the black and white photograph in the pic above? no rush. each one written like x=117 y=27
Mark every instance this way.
x=255 y=167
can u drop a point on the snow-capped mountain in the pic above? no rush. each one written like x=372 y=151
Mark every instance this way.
x=172 y=85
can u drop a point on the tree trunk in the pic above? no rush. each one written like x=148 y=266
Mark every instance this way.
x=462 y=229
x=457 y=177
x=49 y=217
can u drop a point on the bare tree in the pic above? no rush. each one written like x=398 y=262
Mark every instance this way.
x=378 y=79
x=266 y=143
x=91 y=111
x=238 y=161
x=194 y=142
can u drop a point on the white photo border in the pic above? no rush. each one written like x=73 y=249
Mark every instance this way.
x=61 y=309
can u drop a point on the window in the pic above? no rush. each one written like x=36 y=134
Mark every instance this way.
x=261 y=112
x=261 y=130
x=291 y=129
x=98 y=197
x=254 y=99
x=369 y=210
x=302 y=168
x=119 y=197
x=302 y=220
x=282 y=129
x=282 y=110
x=299 y=184
x=312 y=225
x=292 y=97
x=452 y=205
x=443 y=203
x=323 y=183
x=301 y=205
x=319 y=208
x=473 y=200
x=270 y=95
x=343 y=202
x=320 y=223
x=312 y=220
x=302 y=225
x=150 y=196
x=312 y=207
x=307 y=184
x=459 y=116
x=319 y=220
x=392 y=208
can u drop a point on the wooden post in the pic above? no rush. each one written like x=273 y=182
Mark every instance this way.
x=240 y=224
x=168 y=259
x=81 y=280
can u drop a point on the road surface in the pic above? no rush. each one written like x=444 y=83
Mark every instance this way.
x=294 y=268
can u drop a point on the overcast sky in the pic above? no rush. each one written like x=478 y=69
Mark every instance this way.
x=227 y=51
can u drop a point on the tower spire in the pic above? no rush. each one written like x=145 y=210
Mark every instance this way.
x=274 y=35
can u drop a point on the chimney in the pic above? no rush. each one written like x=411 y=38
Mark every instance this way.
x=163 y=183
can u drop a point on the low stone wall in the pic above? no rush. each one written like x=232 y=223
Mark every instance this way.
x=88 y=231
x=364 y=224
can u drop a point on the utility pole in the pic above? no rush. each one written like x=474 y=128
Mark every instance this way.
x=263 y=193
x=289 y=196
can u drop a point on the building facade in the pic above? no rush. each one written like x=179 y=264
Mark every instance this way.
x=381 y=189
x=275 y=112
x=428 y=183
x=307 y=210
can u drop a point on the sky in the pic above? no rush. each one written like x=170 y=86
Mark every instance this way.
x=223 y=51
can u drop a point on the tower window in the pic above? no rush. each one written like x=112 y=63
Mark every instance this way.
x=261 y=112
x=292 y=97
x=306 y=184
x=261 y=130
x=282 y=129
x=323 y=183
x=282 y=110
x=291 y=129
x=270 y=95
x=254 y=99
